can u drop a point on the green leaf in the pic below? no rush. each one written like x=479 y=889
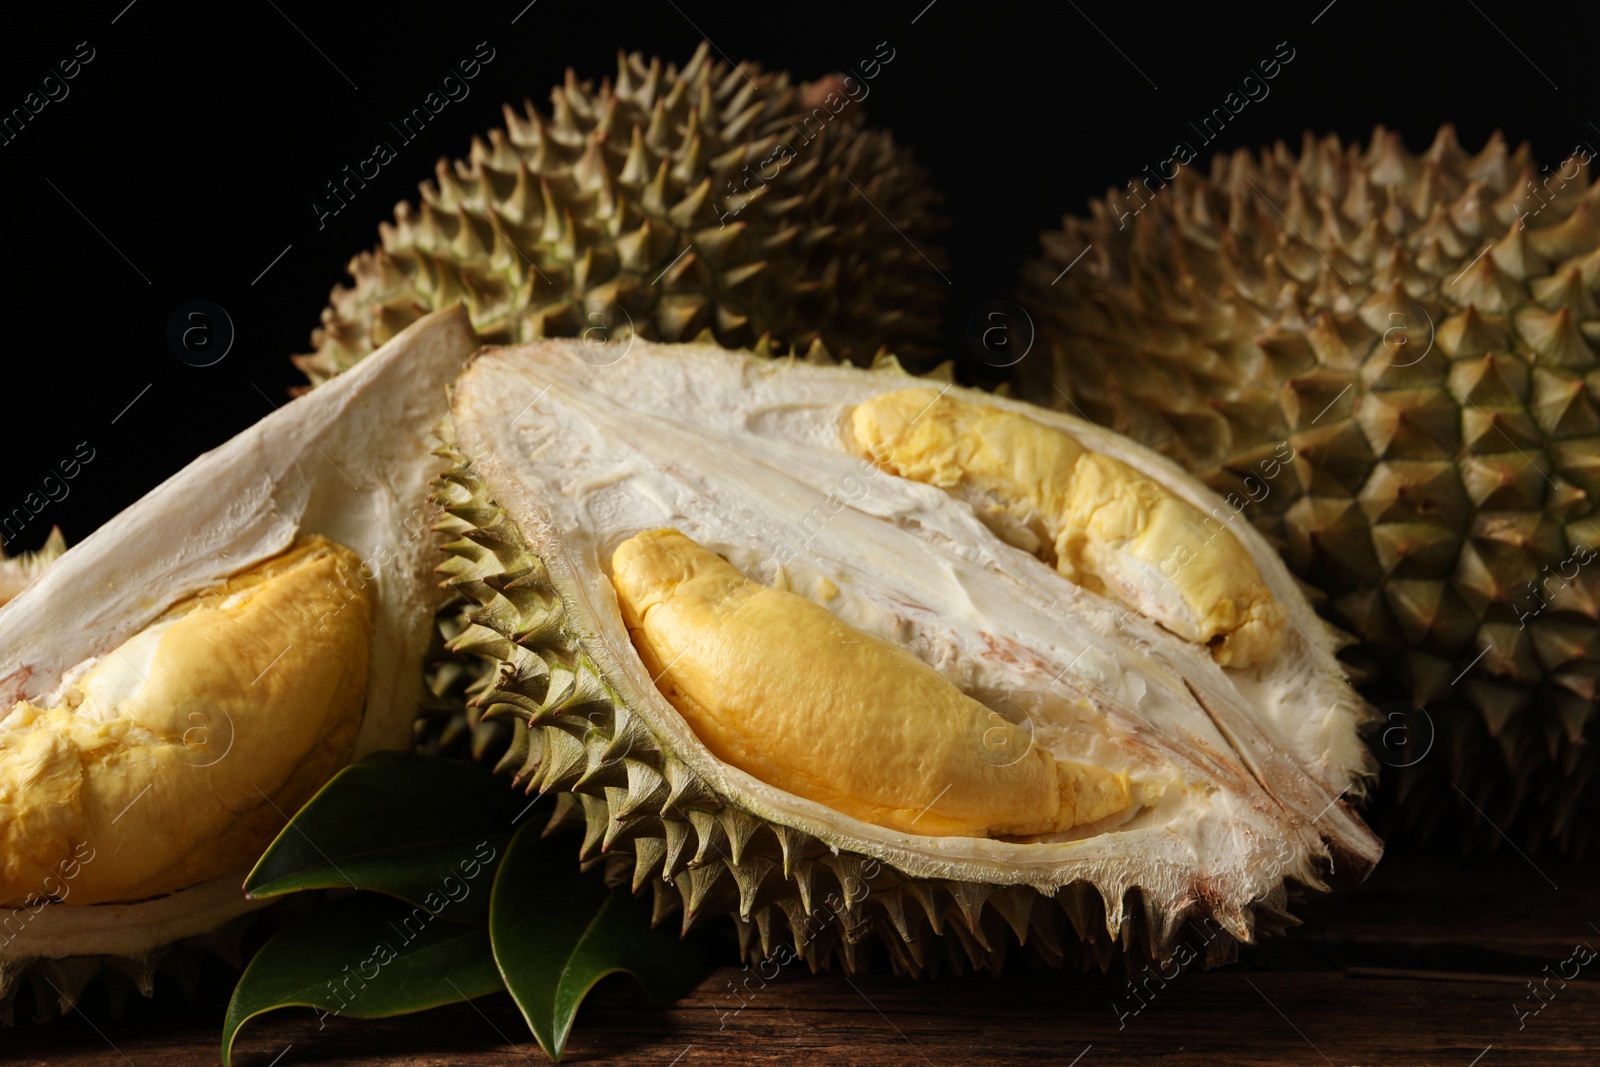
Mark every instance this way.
x=420 y=828
x=365 y=956
x=557 y=931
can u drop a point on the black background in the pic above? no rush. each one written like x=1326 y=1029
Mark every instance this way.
x=197 y=136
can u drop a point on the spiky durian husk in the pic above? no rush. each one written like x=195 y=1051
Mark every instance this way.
x=58 y=984
x=631 y=203
x=1237 y=315
x=656 y=826
x=447 y=723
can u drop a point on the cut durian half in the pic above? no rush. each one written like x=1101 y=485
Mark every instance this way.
x=1236 y=779
x=145 y=741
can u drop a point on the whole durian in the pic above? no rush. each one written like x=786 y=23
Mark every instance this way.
x=179 y=683
x=864 y=662
x=1387 y=361
x=665 y=204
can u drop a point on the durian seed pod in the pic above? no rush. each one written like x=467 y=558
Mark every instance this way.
x=668 y=202
x=1388 y=361
x=702 y=839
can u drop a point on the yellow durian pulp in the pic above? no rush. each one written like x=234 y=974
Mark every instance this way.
x=175 y=757
x=780 y=687
x=1101 y=522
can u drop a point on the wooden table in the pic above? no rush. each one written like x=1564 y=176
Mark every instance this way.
x=1422 y=965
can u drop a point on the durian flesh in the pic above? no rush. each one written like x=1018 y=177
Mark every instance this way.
x=1232 y=775
x=1105 y=525
x=168 y=761
x=776 y=684
x=125 y=633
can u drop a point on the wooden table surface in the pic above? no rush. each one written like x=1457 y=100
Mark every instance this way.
x=1422 y=965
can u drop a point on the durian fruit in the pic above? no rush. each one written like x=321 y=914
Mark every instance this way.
x=17 y=571
x=669 y=202
x=1387 y=362
x=178 y=684
x=860 y=661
